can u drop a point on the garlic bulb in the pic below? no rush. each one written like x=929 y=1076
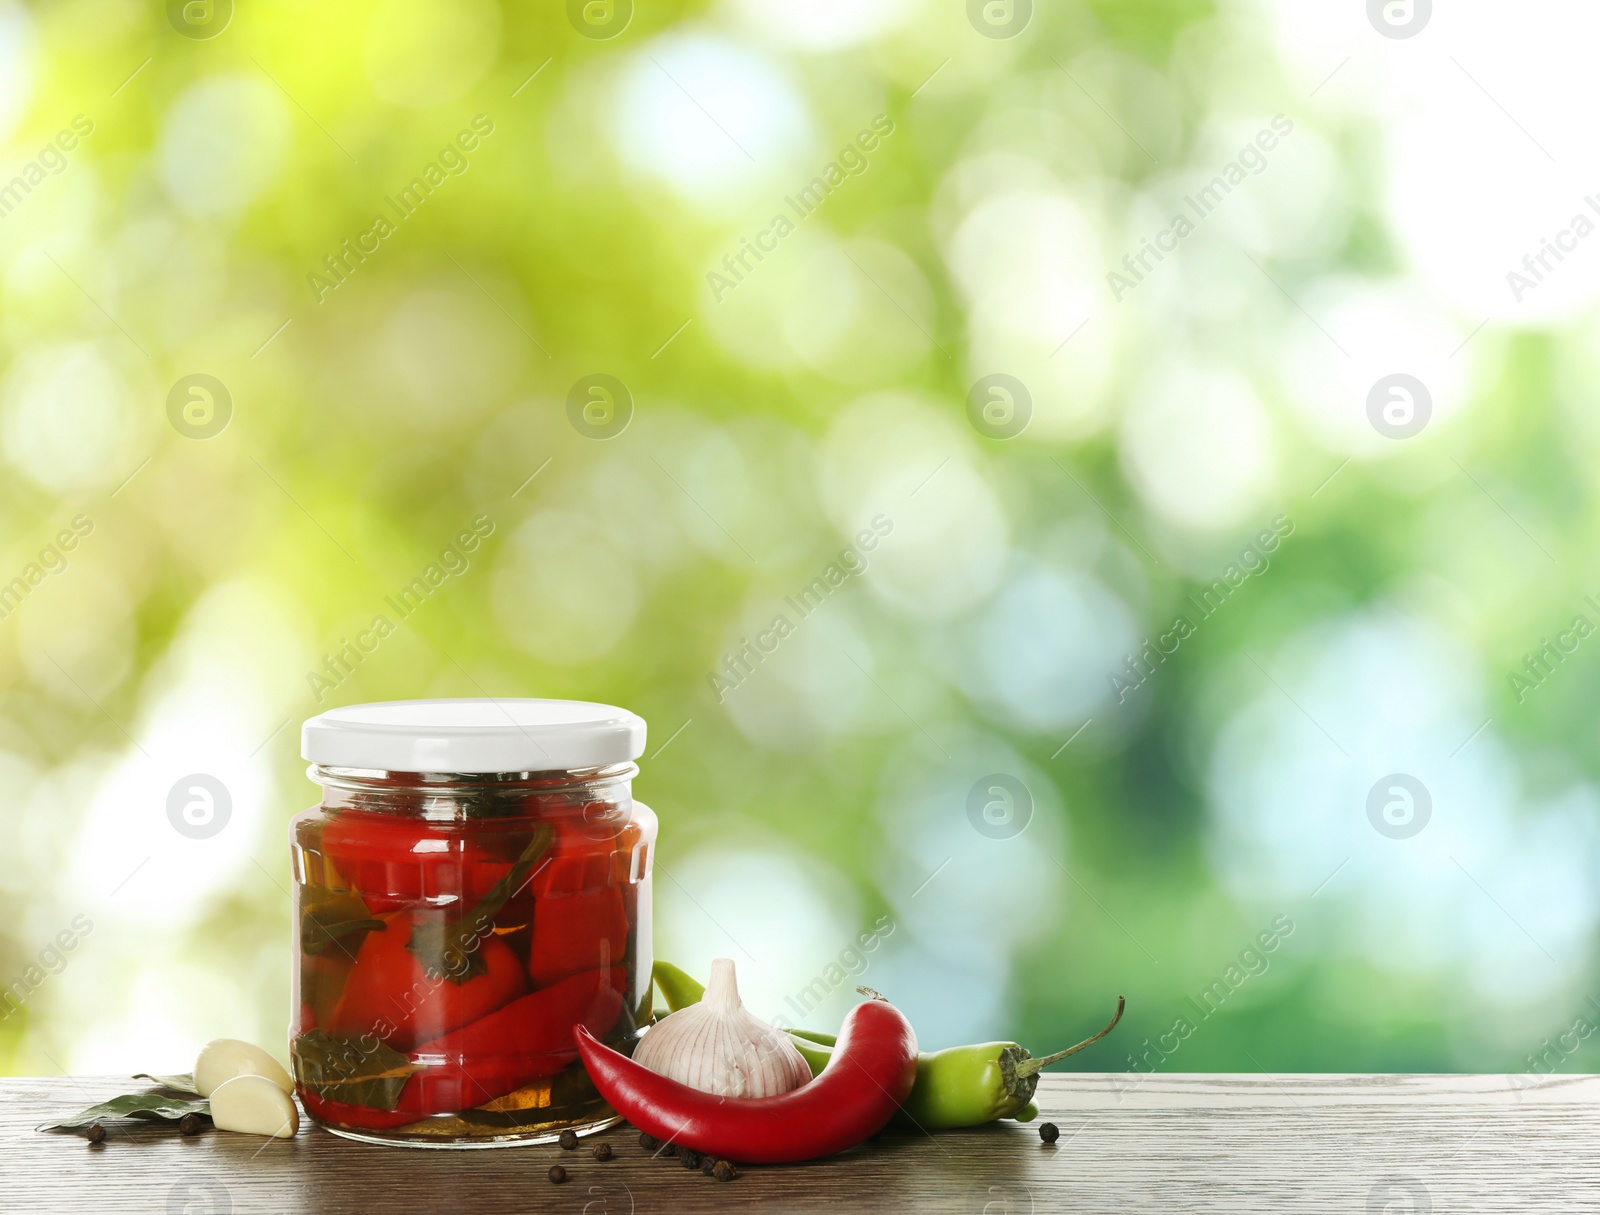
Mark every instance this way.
x=718 y=1046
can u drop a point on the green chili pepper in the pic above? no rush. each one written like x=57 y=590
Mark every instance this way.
x=811 y=1035
x=814 y=1052
x=678 y=989
x=971 y=1085
x=966 y=1085
x=959 y=1086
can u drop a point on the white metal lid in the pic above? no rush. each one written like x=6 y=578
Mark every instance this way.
x=473 y=736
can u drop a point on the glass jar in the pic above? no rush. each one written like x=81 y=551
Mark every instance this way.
x=475 y=882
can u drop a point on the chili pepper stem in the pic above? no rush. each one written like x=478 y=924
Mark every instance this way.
x=1029 y=1067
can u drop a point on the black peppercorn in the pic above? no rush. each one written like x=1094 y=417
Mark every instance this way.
x=95 y=1134
x=1049 y=1132
x=691 y=1160
x=724 y=1171
x=568 y=1140
x=707 y=1165
x=189 y=1124
x=602 y=1151
x=557 y=1174
x=648 y=1141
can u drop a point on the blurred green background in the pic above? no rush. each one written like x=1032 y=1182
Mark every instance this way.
x=946 y=744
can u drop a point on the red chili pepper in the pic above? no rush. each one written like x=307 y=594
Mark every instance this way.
x=525 y=1041
x=872 y=1070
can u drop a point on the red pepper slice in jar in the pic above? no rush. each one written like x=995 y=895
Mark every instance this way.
x=580 y=920
x=577 y=932
x=523 y=1042
x=343 y=1113
x=392 y=995
x=872 y=1070
x=397 y=862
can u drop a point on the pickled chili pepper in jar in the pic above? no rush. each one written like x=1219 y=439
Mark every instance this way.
x=475 y=883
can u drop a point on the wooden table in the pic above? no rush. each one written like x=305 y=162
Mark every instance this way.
x=1225 y=1143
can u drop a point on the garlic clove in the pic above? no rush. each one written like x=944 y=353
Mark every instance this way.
x=718 y=1046
x=254 y=1105
x=226 y=1058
